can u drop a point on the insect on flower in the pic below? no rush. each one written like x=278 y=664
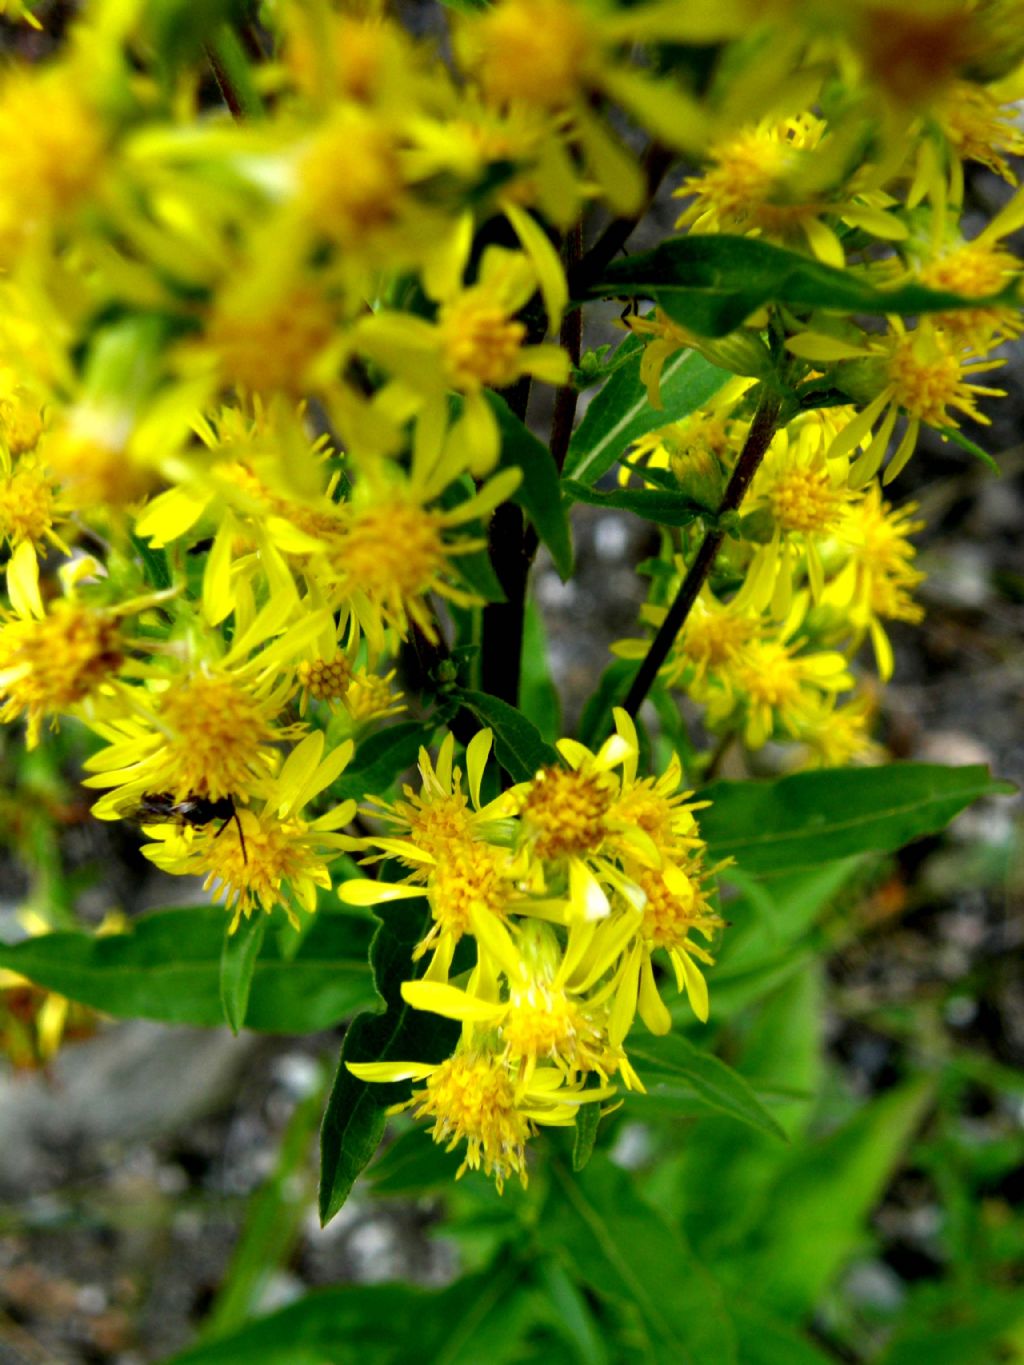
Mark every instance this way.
x=192 y=810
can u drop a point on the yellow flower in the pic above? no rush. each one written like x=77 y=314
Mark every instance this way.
x=921 y=372
x=52 y=148
x=713 y=638
x=278 y=857
x=837 y=736
x=781 y=179
x=455 y=847
x=476 y=342
x=52 y=658
x=208 y=728
x=878 y=580
x=537 y=1017
x=775 y=686
x=392 y=550
x=569 y=832
x=473 y=1098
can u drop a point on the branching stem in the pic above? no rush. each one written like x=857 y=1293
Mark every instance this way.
x=759 y=438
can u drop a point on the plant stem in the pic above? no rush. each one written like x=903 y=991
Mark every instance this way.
x=656 y=162
x=759 y=438
x=502 y=635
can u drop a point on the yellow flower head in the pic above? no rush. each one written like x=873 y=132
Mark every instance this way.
x=455 y=848
x=52 y=147
x=473 y=1098
x=276 y=856
x=50 y=663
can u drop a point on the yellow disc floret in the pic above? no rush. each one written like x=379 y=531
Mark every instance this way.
x=471 y=1099
x=48 y=665
x=568 y=812
x=218 y=740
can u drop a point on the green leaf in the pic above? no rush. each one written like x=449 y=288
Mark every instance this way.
x=588 y=1119
x=954 y=1343
x=355 y=1117
x=518 y=745
x=625 y=1251
x=812 y=818
x=955 y=435
x=712 y=284
x=620 y=413
x=412 y=1166
x=237 y=963
x=480 y=1317
x=538 y=696
x=815 y=1216
x=667 y=508
x=767 y=1340
x=381 y=759
x=538 y=494
x=168 y=968
x=596 y=722
x=672 y=1066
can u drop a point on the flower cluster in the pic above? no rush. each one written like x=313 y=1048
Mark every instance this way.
x=571 y=887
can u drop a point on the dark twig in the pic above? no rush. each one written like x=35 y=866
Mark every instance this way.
x=656 y=162
x=759 y=438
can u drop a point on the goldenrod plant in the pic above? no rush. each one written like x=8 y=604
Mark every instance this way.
x=294 y=304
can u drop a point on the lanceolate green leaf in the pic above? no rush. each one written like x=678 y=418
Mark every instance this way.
x=480 y=1317
x=538 y=495
x=815 y=1216
x=354 y=1121
x=672 y=1066
x=381 y=759
x=712 y=284
x=237 y=963
x=667 y=508
x=168 y=968
x=621 y=412
x=518 y=745
x=813 y=818
x=622 y=1249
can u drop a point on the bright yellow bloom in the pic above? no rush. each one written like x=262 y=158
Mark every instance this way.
x=473 y=1098
x=276 y=857
x=209 y=728
x=52 y=661
x=455 y=847
x=781 y=179
x=921 y=372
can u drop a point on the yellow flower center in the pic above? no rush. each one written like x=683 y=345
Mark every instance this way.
x=568 y=810
x=670 y=916
x=26 y=505
x=94 y=473
x=220 y=738
x=51 y=144
x=711 y=640
x=543 y=1022
x=370 y=696
x=276 y=854
x=325 y=679
x=471 y=1099
x=46 y=666
x=21 y=422
x=268 y=346
x=468 y=875
x=532 y=51
x=926 y=376
x=803 y=498
x=771 y=676
x=481 y=343
x=350 y=178
x=392 y=552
